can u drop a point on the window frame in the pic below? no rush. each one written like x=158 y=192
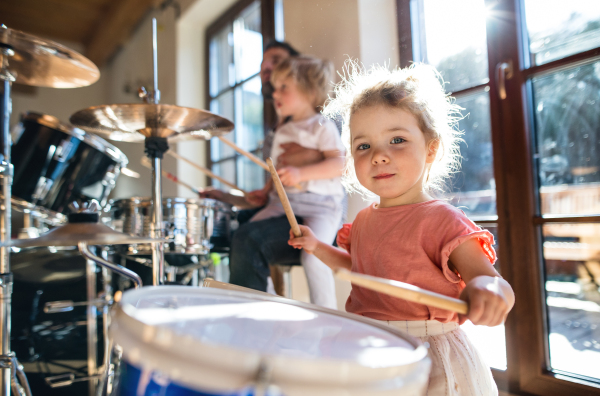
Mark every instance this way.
x=267 y=13
x=519 y=221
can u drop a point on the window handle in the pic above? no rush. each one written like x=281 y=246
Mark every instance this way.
x=504 y=71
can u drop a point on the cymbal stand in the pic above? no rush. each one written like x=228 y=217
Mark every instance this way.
x=155 y=147
x=9 y=366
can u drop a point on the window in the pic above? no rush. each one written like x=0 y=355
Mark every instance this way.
x=235 y=45
x=527 y=73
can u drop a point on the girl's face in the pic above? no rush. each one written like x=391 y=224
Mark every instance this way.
x=391 y=154
x=289 y=100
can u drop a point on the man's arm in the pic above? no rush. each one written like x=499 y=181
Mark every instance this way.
x=223 y=196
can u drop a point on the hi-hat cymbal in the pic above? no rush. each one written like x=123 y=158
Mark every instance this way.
x=135 y=122
x=72 y=233
x=44 y=63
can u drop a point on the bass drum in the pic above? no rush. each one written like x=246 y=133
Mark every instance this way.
x=56 y=164
x=50 y=344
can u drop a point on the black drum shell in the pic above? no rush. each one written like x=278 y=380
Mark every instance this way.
x=78 y=171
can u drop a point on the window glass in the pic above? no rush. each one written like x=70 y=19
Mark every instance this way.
x=572 y=267
x=567 y=128
x=249 y=116
x=250 y=176
x=559 y=28
x=473 y=189
x=226 y=170
x=222 y=106
x=451 y=35
x=248 y=42
x=221 y=60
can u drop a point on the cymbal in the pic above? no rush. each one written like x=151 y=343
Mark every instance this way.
x=135 y=122
x=72 y=233
x=44 y=63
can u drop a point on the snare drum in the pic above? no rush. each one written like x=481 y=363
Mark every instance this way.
x=183 y=341
x=56 y=164
x=189 y=223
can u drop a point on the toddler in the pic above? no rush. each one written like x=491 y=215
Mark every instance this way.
x=315 y=191
x=402 y=144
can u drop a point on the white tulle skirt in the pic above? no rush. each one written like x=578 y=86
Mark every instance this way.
x=457 y=369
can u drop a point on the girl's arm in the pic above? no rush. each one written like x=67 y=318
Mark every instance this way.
x=329 y=168
x=330 y=255
x=489 y=296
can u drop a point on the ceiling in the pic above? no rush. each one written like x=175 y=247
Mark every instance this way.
x=101 y=26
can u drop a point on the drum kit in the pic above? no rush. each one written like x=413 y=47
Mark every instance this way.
x=168 y=340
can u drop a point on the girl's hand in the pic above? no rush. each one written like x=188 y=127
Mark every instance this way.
x=488 y=306
x=257 y=197
x=290 y=175
x=308 y=241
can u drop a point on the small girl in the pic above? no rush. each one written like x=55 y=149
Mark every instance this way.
x=400 y=136
x=315 y=191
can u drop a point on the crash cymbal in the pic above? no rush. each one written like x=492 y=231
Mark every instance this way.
x=44 y=63
x=73 y=233
x=135 y=122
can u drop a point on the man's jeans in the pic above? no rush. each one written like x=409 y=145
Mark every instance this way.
x=257 y=245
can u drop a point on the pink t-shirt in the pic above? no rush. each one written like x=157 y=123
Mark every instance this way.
x=412 y=244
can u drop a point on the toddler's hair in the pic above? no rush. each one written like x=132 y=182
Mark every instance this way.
x=417 y=89
x=313 y=76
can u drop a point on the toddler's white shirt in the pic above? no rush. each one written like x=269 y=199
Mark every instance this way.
x=317 y=133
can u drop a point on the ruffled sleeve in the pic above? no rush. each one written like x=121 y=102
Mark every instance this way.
x=486 y=240
x=343 y=237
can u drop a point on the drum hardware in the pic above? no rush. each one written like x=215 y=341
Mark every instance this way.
x=18 y=380
x=190 y=271
x=66 y=306
x=157 y=125
x=130 y=173
x=58 y=381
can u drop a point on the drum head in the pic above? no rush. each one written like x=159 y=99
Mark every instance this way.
x=218 y=338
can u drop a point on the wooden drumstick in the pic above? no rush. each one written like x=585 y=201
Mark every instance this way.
x=404 y=291
x=284 y=199
x=206 y=171
x=245 y=153
x=250 y=156
x=170 y=176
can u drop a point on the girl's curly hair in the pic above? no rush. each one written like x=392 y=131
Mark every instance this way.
x=418 y=89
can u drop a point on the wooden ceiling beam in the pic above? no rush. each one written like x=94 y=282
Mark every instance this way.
x=115 y=28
